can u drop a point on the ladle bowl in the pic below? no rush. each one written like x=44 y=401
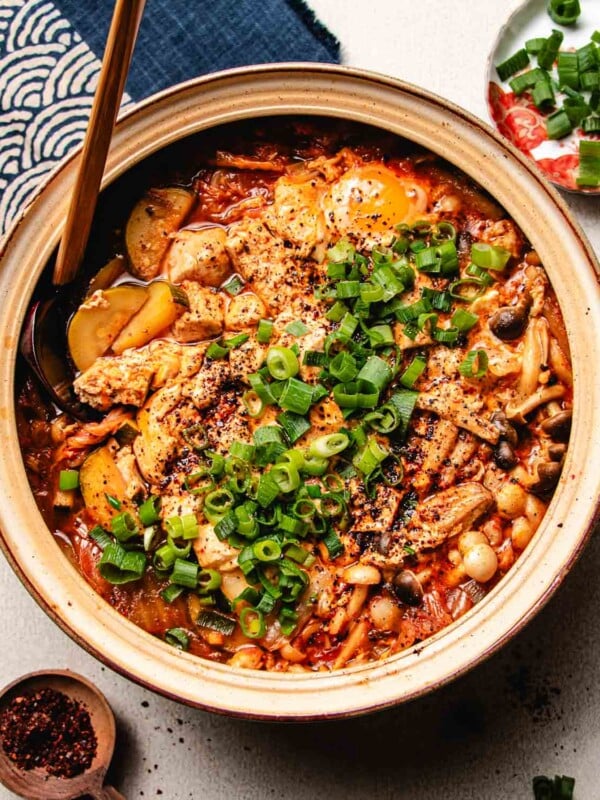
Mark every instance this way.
x=37 y=784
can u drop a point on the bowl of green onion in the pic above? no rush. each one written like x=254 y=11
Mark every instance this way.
x=543 y=89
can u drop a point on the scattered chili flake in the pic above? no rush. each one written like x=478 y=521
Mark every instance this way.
x=49 y=730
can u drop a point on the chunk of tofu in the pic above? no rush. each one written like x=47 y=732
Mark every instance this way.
x=203 y=319
x=212 y=553
x=126 y=379
x=373 y=514
x=247 y=358
x=199 y=255
x=204 y=389
x=243 y=311
x=266 y=264
x=296 y=215
x=114 y=380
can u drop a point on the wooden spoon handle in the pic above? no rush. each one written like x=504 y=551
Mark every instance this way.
x=115 y=65
x=106 y=793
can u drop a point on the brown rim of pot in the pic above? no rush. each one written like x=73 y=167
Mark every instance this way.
x=285 y=89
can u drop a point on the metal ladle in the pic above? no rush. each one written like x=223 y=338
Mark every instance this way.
x=36 y=784
x=43 y=341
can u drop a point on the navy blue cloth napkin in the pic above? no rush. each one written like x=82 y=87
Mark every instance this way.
x=50 y=52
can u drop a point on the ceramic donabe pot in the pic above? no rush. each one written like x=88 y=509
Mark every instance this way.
x=471 y=146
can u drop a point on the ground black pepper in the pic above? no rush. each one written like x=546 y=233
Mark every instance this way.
x=49 y=730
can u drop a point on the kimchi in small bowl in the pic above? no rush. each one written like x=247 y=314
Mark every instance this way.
x=338 y=346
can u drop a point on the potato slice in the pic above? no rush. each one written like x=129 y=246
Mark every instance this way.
x=158 y=214
x=100 y=319
x=99 y=476
x=165 y=303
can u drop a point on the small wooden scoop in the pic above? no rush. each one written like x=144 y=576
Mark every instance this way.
x=36 y=784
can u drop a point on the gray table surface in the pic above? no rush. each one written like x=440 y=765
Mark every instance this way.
x=532 y=708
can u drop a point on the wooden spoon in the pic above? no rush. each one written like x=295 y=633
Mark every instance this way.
x=36 y=784
x=115 y=66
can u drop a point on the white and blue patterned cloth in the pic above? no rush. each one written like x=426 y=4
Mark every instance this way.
x=50 y=53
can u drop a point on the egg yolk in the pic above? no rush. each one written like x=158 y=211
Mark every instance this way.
x=371 y=200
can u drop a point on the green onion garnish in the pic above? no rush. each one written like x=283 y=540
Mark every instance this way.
x=216 y=621
x=513 y=64
x=489 y=256
x=100 y=536
x=475 y=364
x=178 y=638
x=234 y=285
x=297 y=328
x=252 y=623
x=118 y=566
x=148 y=511
x=185 y=573
x=124 y=526
x=68 y=479
x=564 y=12
x=282 y=363
x=264 y=331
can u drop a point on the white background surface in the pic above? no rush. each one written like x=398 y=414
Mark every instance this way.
x=531 y=709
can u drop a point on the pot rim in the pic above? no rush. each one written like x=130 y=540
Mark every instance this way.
x=357 y=689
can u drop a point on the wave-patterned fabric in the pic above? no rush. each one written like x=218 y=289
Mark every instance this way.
x=48 y=76
x=50 y=54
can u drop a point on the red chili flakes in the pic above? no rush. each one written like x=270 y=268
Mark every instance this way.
x=49 y=730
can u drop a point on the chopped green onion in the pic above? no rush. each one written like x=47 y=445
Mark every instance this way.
x=253 y=404
x=252 y=623
x=376 y=372
x=549 y=52
x=100 y=536
x=489 y=256
x=587 y=57
x=216 y=621
x=330 y=444
x=195 y=437
x=294 y=425
x=464 y=320
x=533 y=46
x=266 y=550
x=185 y=573
x=178 y=638
x=564 y=12
x=216 y=351
x=282 y=363
x=513 y=64
x=112 y=501
x=171 y=593
x=474 y=365
x=412 y=373
x=558 y=124
x=68 y=479
x=334 y=544
x=296 y=396
x=591 y=125
x=589 y=163
x=314 y=465
x=148 y=511
x=343 y=367
x=119 y=566
x=124 y=526
x=404 y=401
x=568 y=70
x=234 y=285
x=297 y=328
x=543 y=95
x=209 y=580
x=285 y=476
x=350 y=396
x=184 y=526
x=218 y=502
x=370 y=456
x=264 y=331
